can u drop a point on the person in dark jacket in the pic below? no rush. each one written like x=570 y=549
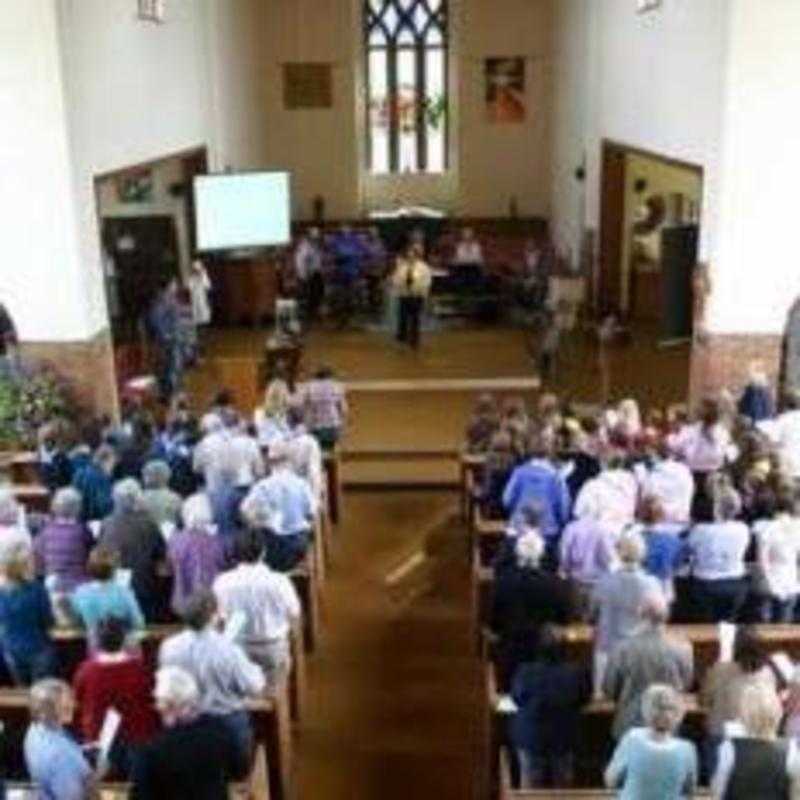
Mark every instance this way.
x=757 y=402
x=549 y=693
x=93 y=481
x=131 y=532
x=194 y=758
x=526 y=598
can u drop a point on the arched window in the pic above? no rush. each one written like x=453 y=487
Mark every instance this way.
x=407 y=121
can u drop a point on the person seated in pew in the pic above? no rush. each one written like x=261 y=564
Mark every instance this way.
x=104 y=595
x=26 y=618
x=324 y=405
x=717 y=550
x=757 y=764
x=282 y=506
x=500 y=463
x=62 y=547
x=549 y=693
x=139 y=543
x=723 y=688
x=526 y=597
x=163 y=505
x=651 y=654
x=267 y=603
x=483 y=423
x=302 y=450
x=56 y=762
x=617 y=601
x=650 y=762
x=193 y=758
x=95 y=483
x=539 y=481
x=112 y=677
x=225 y=676
x=196 y=554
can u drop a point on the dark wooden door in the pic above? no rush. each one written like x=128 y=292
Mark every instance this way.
x=145 y=253
x=678 y=262
x=612 y=221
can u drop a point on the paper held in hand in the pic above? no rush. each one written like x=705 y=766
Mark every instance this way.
x=727 y=635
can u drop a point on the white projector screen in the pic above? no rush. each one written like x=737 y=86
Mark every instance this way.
x=243 y=210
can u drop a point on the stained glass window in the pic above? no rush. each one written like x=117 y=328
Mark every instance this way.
x=407 y=119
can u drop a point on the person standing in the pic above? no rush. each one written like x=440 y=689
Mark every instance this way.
x=199 y=288
x=308 y=272
x=412 y=282
x=8 y=340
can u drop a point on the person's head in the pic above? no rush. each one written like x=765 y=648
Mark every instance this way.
x=9 y=508
x=156 y=474
x=105 y=457
x=631 y=548
x=791 y=400
x=709 y=414
x=223 y=399
x=654 y=610
x=249 y=546
x=66 y=504
x=529 y=550
x=629 y=416
x=52 y=703
x=211 y=423
x=197 y=513
x=662 y=708
x=295 y=416
x=110 y=634
x=760 y=710
x=550 y=644
x=467 y=234
x=200 y=610
x=748 y=651
x=176 y=695
x=17 y=564
x=324 y=373
x=651 y=510
x=102 y=563
x=127 y=495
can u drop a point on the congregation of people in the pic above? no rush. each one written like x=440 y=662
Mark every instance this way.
x=197 y=518
x=630 y=521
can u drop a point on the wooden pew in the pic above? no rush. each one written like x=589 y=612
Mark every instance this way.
x=332 y=464
x=269 y=717
x=22 y=466
x=507 y=792
x=34 y=498
x=470 y=470
x=70 y=644
x=487 y=535
x=305 y=581
x=256 y=787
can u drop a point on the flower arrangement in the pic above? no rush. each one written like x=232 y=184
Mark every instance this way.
x=30 y=396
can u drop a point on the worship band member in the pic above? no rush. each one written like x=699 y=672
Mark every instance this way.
x=412 y=282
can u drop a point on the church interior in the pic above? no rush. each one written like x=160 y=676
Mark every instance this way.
x=399 y=398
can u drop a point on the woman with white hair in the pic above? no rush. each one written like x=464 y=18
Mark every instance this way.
x=196 y=554
x=717 y=551
x=132 y=533
x=55 y=761
x=618 y=598
x=525 y=598
x=63 y=545
x=163 y=505
x=651 y=763
x=757 y=764
x=193 y=758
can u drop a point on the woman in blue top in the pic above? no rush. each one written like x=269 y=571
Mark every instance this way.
x=105 y=596
x=25 y=619
x=651 y=763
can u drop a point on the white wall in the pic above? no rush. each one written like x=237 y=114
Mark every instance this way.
x=653 y=81
x=755 y=275
x=41 y=278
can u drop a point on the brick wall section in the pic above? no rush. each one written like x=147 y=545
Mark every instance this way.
x=88 y=366
x=723 y=362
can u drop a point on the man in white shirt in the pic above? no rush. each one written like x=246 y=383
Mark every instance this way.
x=302 y=451
x=672 y=484
x=265 y=602
x=227 y=449
x=784 y=432
x=308 y=271
x=247 y=455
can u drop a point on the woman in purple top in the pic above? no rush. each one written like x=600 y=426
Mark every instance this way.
x=196 y=554
x=62 y=547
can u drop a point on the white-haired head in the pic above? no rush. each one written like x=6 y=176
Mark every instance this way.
x=128 y=495
x=529 y=550
x=211 y=423
x=66 y=504
x=176 y=693
x=631 y=547
x=662 y=708
x=10 y=512
x=197 y=513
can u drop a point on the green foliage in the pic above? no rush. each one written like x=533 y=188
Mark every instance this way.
x=435 y=111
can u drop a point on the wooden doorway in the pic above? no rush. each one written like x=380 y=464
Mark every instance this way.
x=612 y=216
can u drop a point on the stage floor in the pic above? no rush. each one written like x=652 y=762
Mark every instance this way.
x=403 y=400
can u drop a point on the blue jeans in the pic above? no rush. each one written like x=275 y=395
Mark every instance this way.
x=778 y=611
x=284 y=553
x=26 y=669
x=238 y=726
x=720 y=600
